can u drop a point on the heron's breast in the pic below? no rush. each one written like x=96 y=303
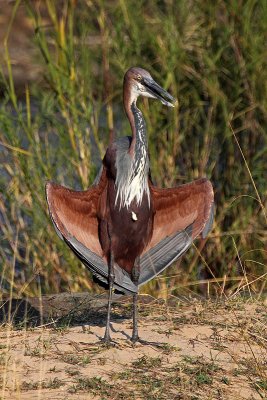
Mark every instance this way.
x=131 y=223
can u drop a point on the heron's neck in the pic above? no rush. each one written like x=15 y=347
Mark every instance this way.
x=139 y=139
x=132 y=180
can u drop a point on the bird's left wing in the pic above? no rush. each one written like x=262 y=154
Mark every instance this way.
x=74 y=215
x=181 y=214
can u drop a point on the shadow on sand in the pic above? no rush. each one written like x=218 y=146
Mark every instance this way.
x=63 y=309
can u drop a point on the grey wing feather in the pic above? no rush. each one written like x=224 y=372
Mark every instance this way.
x=209 y=223
x=98 y=176
x=163 y=254
x=56 y=229
x=99 y=268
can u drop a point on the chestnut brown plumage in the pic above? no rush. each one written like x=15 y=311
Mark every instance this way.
x=123 y=228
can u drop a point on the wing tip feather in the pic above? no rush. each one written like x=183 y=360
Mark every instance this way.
x=209 y=208
x=208 y=225
x=49 y=198
x=49 y=187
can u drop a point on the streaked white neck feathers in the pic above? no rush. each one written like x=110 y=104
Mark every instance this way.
x=132 y=182
x=133 y=189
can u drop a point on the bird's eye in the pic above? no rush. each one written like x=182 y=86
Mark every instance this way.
x=139 y=77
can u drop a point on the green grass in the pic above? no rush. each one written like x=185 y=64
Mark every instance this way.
x=54 y=383
x=76 y=359
x=147 y=362
x=209 y=55
x=93 y=385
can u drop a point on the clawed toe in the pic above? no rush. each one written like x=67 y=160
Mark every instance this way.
x=108 y=342
x=135 y=339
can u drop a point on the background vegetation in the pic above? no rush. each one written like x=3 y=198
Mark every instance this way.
x=210 y=55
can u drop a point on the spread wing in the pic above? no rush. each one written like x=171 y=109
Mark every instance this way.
x=74 y=215
x=181 y=214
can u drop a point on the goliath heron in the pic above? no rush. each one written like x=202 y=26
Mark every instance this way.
x=123 y=228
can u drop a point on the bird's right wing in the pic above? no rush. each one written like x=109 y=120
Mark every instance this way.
x=181 y=214
x=74 y=215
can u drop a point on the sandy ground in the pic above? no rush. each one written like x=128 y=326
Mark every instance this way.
x=195 y=350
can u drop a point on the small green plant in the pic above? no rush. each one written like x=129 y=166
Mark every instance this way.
x=93 y=385
x=54 y=383
x=168 y=348
x=147 y=362
x=225 y=380
x=261 y=384
x=203 y=378
x=76 y=359
x=29 y=385
x=37 y=351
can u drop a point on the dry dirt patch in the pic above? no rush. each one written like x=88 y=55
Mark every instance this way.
x=195 y=350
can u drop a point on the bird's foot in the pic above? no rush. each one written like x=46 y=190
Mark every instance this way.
x=135 y=339
x=108 y=342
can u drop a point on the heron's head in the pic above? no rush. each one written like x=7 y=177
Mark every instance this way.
x=139 y=82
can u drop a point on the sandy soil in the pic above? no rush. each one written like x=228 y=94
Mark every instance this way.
x=195 y=350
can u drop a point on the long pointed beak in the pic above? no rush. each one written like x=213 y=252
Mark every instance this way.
x=158 y=92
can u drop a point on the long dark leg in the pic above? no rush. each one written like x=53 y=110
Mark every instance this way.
x=135 y=279
x=111 y=278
